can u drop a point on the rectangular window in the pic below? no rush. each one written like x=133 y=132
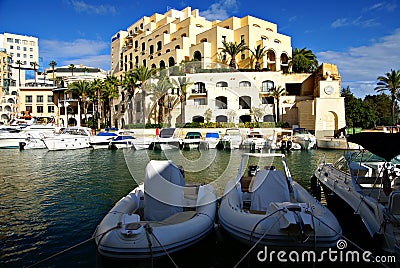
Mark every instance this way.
x=9 y=40
x=18 y=48
x=18 y=55
x=16 y=41
x=11 y=47
x=28 y=99
x=39 y=109
x=50 y=98
x=200 y=101
x=31 y=49
x=28 y=109
x=31 y=56
x=50 y=109
x=39 y=98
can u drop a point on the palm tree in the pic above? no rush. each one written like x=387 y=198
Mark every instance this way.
x=233 y=49
x=129 y=84
x=82 y=89
x=258 y=53
x=276 y=93
x=19 y=62
x=71 y=67
x=97 y=85
x=142 y=74
x=159 y=90
x=34 y=65
x=109 y=92
x=182 y=84
x=304 y=61
x=390 y=82
x=52 y=64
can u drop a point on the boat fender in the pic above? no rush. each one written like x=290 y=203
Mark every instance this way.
x=315 y=189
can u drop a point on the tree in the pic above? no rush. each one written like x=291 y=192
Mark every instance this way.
x=52 y=64
x=390 y=82
x=109 y=92
x=71 y=67
x=381 y=106
x=233 y=49
x=208 y=115
x=276 y=93
x=83 y=90
x=159 y=90
x=19 y=62
x=358 y=113
x=34 y=65
x=258 y=113
x=258 y=53
x=182 y=84
x=142 y=74
x=304 y=61
x=129 y=85
x=97 y=85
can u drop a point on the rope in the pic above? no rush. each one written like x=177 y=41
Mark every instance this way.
x=258 y=241
x=149 y=230
x=346 y=238
x=73 y=247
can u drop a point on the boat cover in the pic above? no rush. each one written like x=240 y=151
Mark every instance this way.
x=268 y=186
x=212 y=135
x=167 y=132
x=163 y=190
x=385 y=145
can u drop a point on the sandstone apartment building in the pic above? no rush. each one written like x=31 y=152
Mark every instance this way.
x=166 y=40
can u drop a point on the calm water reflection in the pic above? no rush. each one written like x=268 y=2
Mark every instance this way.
x=52 y=200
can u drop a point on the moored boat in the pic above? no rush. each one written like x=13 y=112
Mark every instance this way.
x=103 y=138
x=264 y=206
x=212 y=139
x=194 y=140
x=254 y=140
x=166 y=140
x=232 y=139
x=160 y=216
x=70 y=138
x=367 y=180
x=303 y=137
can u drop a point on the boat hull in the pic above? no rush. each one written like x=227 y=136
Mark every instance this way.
x=67 y=143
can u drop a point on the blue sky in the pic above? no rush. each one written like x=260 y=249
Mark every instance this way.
x=361 y=37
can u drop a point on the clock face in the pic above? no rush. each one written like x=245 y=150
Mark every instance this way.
x=328 y=90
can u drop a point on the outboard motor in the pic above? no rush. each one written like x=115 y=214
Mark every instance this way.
x=288 y=145
x=283 y=145
x=22 y=145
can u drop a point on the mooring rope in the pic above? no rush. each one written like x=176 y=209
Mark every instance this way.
x=149 y=230
x=73 y=247
x=259 y=240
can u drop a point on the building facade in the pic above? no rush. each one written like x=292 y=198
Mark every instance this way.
x=164 y=41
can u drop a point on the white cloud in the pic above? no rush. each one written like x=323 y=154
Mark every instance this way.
x=381 y=6
x=360 y=22
x=79 y=51
x=81 y=6
x=220 y=10
x=360 y=66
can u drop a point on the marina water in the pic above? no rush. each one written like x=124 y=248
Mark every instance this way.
x=51 y=201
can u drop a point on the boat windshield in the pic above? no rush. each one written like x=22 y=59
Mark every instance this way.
x=212 y=135
x=233 y=132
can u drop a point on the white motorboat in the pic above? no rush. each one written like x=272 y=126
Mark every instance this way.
x=166 y=140
x=103 y=138
x=70 y=138
x=263 y=205
x=212 y=139
x=254 y=140
x=124 y=140
x=20 y=137
x=160 y=216
x=284 y=141
x=368 y=181
x=232 y=139
x=142 y=143
x=303 y=137
x=194 y=140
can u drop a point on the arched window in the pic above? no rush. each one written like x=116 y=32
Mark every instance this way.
x=198 y=118
x=165 y=32
x=177 y=47
x=197 y=55
x=183 y=35
x=221 y=84
x=168 y=50
x=256 y=25
x=162 y=64
x=221 y=118
x=203 y=40
x=144 y=63
x=244 y=102
x=267 y=85
x=244 y=84
x=171 y=62
x=153 y=66
x=244 y=118
x=143 y=46
x=151 y=49
x=221 y=102
x=271 y=60
x=199 y=87
x=159 y=45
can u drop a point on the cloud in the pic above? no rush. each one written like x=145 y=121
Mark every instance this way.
x=343 y=22
x=79 y=51
x=220 y=10
x=381 y=6
x=81 y=6
x=360 y=66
